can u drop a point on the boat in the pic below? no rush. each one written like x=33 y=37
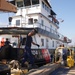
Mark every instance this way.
x=36 y=14
x=39 y=15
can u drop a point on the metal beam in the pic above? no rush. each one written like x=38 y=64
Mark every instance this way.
x=6 y=6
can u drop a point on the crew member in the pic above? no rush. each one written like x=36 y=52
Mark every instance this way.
x=7 y=42
x=28 y=54
x=2 y=42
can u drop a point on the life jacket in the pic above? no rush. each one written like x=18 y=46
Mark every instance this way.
x=2 y=42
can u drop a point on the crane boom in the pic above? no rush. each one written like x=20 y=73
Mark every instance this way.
x=6 y=6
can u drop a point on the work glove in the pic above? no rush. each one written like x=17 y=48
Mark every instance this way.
x=38 y=45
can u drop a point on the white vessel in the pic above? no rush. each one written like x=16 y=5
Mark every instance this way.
x=36 y=14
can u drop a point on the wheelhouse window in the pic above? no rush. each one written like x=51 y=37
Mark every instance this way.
x=27 y=2
x=43 y=4
x=30 y=21
x=35 y=2
x=30 y=2
x=19 y=3
x=17 y=22
x=45 y=7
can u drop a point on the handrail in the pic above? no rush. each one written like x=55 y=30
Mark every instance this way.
x=39 y=25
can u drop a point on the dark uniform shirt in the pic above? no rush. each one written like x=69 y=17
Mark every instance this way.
x=7 y=43
x=28 y=41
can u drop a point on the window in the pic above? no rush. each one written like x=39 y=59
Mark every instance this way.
x=45 y=7
x=19 y=3
x=47 y=40
x=43 y=4
x=52 y=43
x=55 y=31
x=30 y=21
x=42 y=22
x=46 y=43
x=51 y=28
x=42 y=41
x=48 y=10
x=17 y=22
x=10 y=19
x=35 y=2
x=27 y=2
x=35 y=20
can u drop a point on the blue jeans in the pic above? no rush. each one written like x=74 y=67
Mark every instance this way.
x=28 y=56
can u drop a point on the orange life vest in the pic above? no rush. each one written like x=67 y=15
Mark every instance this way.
x=2 y=42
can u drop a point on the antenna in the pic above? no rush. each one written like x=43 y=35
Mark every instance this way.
x=60 y=20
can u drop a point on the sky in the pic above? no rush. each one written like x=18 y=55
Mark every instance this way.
x=65 y=10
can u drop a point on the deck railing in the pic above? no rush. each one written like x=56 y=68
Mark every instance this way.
x=44 y=27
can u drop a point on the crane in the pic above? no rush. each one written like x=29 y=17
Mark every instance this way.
x=7 y=6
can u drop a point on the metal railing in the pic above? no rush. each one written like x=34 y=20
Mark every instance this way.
x=61 y=37
x=46 y=28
